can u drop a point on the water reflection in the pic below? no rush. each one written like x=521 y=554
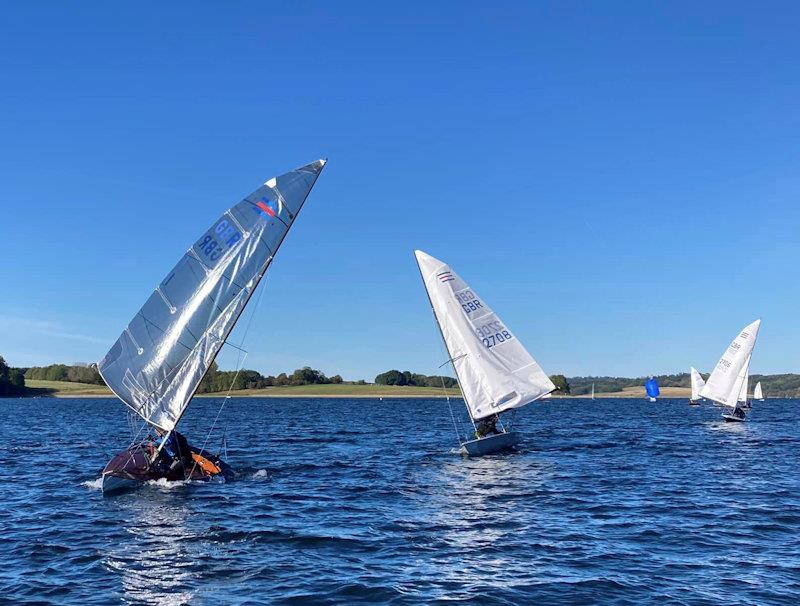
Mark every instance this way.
x=156 y=565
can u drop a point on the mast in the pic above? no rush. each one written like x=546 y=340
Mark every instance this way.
x=441 y=334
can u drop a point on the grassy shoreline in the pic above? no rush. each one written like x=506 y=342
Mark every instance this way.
x=63 y=389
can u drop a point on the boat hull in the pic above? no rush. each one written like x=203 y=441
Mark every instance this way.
x=131 y=468
x=694 y=402
x=490 y=444
x=733 y=419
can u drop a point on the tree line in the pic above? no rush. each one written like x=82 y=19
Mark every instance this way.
x=77 y=373
x=217 y=380
x=12 y=380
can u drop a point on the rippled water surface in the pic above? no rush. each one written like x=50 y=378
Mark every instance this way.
x=362 y=501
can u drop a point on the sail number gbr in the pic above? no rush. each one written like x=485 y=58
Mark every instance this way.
x=493 y=333
x=468 y=301
x=223 y=230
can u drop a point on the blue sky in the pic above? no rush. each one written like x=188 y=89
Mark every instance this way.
x=619 y=181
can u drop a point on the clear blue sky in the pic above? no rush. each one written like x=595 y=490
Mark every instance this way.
x=618 y=180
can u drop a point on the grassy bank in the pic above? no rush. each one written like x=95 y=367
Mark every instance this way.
x=63 y=389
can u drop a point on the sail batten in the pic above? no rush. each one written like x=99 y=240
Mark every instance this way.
x=200 y=301
x=495 y=372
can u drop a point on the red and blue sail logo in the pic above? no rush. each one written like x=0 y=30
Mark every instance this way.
x=265 y=206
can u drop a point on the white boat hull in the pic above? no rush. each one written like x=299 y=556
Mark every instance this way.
x=490 y=444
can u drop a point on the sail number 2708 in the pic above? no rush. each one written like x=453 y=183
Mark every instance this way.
x=493 y=333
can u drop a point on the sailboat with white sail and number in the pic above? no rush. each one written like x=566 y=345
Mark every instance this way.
x=495 y=372
x=157 y=364
x=729 y=377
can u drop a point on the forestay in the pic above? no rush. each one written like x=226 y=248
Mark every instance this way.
x=726 y=380
x=159 y=360
x=495 y=371
x=697 y=383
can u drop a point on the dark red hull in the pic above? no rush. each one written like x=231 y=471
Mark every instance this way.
x=132 y=467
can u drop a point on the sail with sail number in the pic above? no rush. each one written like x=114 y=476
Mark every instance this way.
x=724 y=386
x=159 y=360
x=495 y=372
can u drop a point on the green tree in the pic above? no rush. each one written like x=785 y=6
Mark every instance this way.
x=12 y=381
x=561 y=383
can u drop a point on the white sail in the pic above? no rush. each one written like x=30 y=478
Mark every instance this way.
x=758 y=394
x=592 y=391
x=743 y=391
x=697 y=383
x=495 y=371
x=159 y=360
x=725 y=382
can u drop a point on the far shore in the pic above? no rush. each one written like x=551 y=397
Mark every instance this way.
x=63 y=389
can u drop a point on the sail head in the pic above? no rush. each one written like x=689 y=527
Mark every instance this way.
x=157 y=363
x=495 y=372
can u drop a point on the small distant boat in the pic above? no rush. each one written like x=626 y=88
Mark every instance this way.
x=592 y=391
x=158 y=362
x=697 y=385
x=729 y=376
x=495 y=372
x=757 y=393
x=651 y=387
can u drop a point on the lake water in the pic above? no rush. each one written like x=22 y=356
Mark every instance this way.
x=362 y=501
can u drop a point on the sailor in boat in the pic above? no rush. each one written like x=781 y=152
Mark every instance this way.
x=738 y=413
x=487 y=426
x=175 y=453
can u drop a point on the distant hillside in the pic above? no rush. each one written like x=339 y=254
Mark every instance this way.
x=775 y=386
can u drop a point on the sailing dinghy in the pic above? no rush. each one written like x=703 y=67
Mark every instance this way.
x=592 y=392
x=729 y=376
x=651 y=387
x=495 y=372
x=697 y=385
x=157 y=363
x=758 y=394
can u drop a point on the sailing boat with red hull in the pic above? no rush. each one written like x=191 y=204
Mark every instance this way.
x=159 y=360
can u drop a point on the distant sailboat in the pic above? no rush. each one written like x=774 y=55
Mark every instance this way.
x=158 y=362
x=651 y=386
x=697 y=385
x=495 y=372
x=725 y=384
x=757 y=393
x=592 y=391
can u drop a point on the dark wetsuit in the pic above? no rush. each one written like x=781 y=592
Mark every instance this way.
x=487 y=426
x=176 y=451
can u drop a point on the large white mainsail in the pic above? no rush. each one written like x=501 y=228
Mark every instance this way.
x=494 y=370
x=725 y=383
x=159 y=360
x=758 y=394
x=697 y=383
